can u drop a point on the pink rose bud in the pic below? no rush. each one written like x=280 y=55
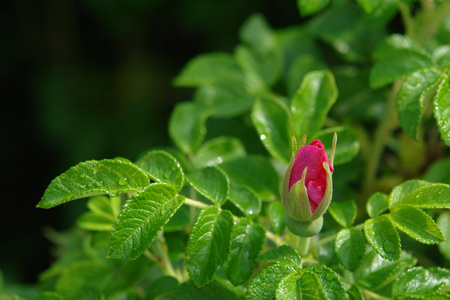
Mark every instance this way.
x=307 y=185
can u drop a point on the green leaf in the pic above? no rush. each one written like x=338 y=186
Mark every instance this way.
x=355 y=293
x=413 y=97
x=211 y=182
x=344 y=212
x=187 y=126
x=443 y=221
x=96 y=222
x=42 y=296
x=218 y=150
x=400 y=191
x=271 y=119
x=142 y=218
x=256 y=32
x=435 y=195
x=209 y=244
x=310 y=7
x=330 y=282
x=377 y=204
x=245 y=200
x=246 y=244
x=209 y=69
x=283 y=254
x=383 y=237
x=80 y=276
x=442 y=109
x=417 y=224
x=256 y=173
x=312 y=102
x=439 y=171
x=277 y=217
x=302 y=65
x=161 y=286
x=189 y=291
x=226 y=98
x=397 y=56
x=350 y=247
x=90 y=178
x=301 y=285
x=419 y=282
x=347 y=146
x=264 y=285
x=441 y=56
x=162 y=167
x=376 y=272
x=369 y=5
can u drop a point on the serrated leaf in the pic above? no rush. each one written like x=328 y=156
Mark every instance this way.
x=442 y=108
x=400 y=191
x=208 y=69
x=209 y=244
x=264 y=285
x=162 y=167
x=283 y=254
x=435 y=195
x=309 y=7
x=383 y=237
x=246 y=244
x=245 y=200
x=443 y=221
x=271 y=119
x=142 y=218
x=301 y=285
x=347 y=146
x=90 y=178
x=187 y=126
x=419 y=282
x=350 y=247
x=312 y=102
x=329 y=281
x=256 y=173
x=277 y=217
x=96 y=222
x=412 y=98
x=211 y=182
x=189 y=291
x=344 y=212
x=417 y=224
x=397 y=56
x=218 y=150
x=376 y=272
x=377 y=204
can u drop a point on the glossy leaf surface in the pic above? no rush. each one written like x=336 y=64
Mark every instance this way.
x=245 y=200
x=282 y=254
x=383 y=237
x=350 y=247
x=301 y=285
x=108 y=176
x=329 y=281
x=211 y=182
x=377 y=204
x=142 y=218
x=420 y=282
x=209 y=244
x=442 y=109
x=347 y=146
x=218 y=150
x=343 y=212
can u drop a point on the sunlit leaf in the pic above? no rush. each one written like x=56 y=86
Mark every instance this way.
x=383 y=237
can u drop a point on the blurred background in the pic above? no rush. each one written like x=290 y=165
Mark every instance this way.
x=91 y=79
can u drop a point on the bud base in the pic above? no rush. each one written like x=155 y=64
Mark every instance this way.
x=304 y=229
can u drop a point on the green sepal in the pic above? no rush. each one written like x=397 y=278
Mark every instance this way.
x=305 y=229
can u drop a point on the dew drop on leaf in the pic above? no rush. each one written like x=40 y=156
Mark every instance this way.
x=123 y=181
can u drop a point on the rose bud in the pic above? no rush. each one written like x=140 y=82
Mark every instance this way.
x=307 y=188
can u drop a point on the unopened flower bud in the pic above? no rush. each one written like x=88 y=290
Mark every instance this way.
x=307 y=188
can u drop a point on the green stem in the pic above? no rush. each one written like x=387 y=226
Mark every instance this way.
x=162 y=258
x=303 y=245
x=275 y=238
x=195 y=203
x=371 y=295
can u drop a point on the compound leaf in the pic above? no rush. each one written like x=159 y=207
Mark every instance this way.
x=90 y=178
x=419 y=282
x=142 y=218
x=209 y=244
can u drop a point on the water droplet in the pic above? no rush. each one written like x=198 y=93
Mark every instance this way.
x=317 y=269
x=123 y=181
x=263 y=137
x=250 y=212
x=166 y=175
x=388 y=248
